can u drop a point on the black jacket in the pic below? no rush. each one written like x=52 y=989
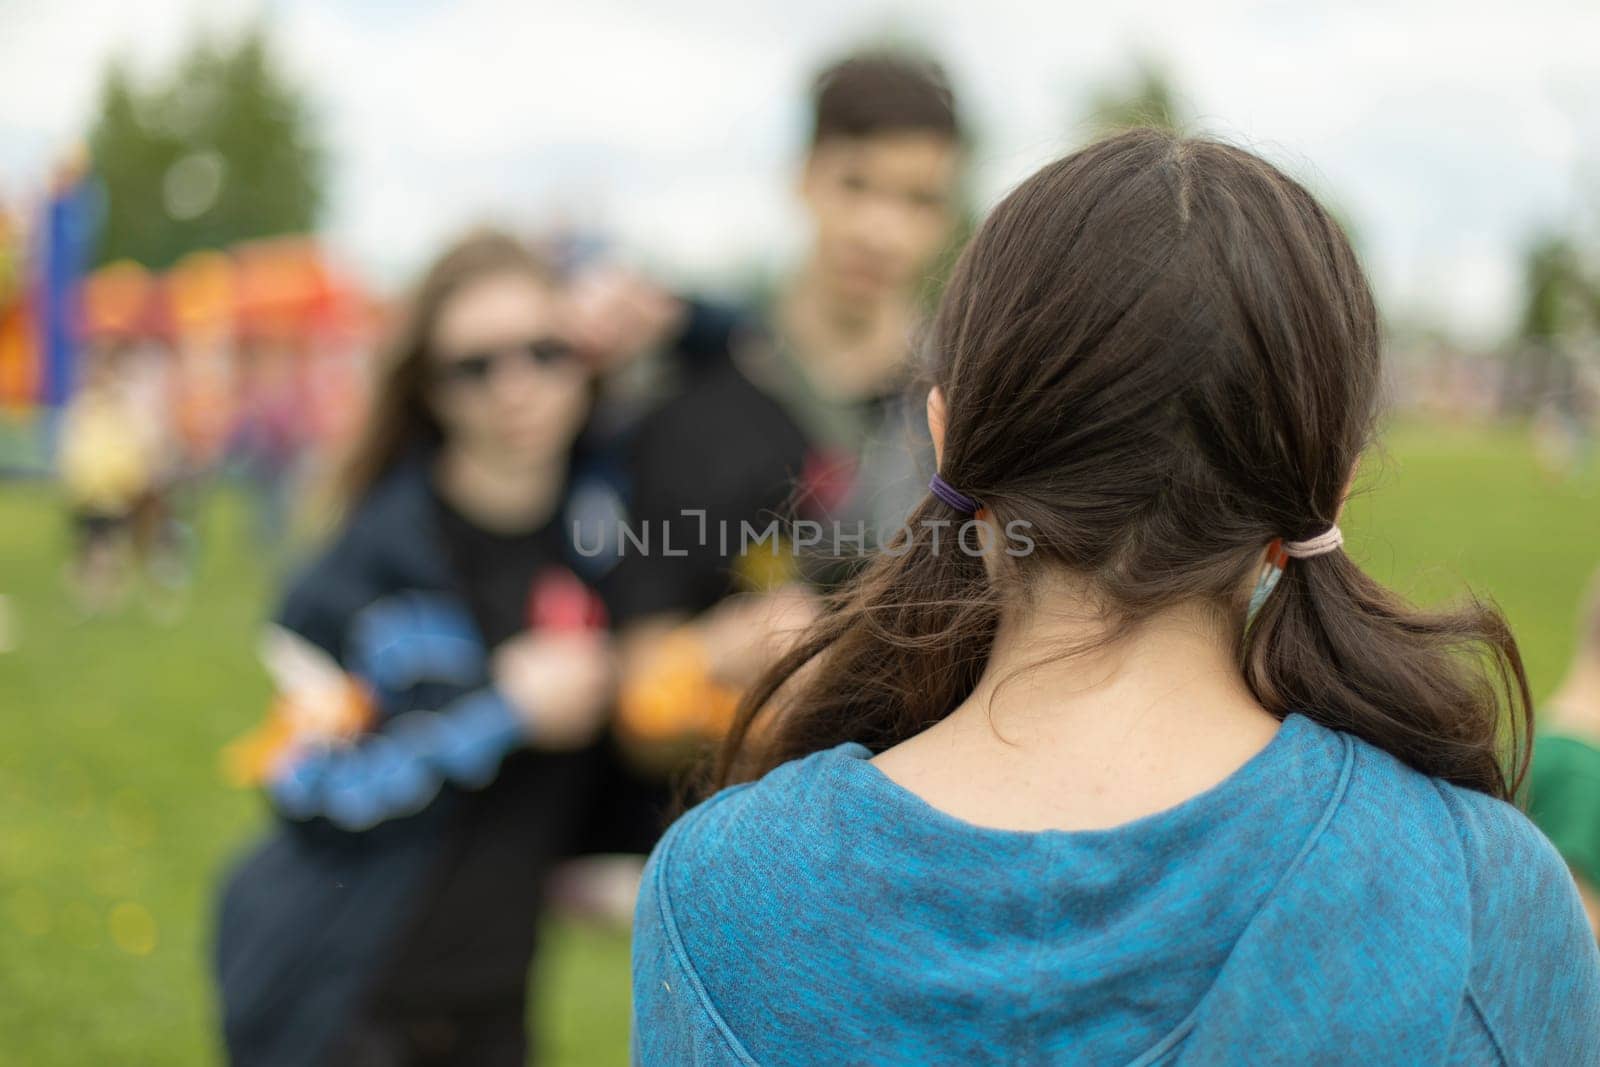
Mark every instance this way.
x=429 y=898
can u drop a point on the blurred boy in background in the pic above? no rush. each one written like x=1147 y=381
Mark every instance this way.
x=1564 y=786
x=805 y=410
x=880 y=183
x=832 y=348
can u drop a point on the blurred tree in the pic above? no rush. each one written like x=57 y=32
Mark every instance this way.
x=130 y=160
x=1552 y=286
x=224 y=150
x=1558 y=301
x=1149 y=99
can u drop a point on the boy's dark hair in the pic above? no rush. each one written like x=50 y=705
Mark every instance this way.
x=1159 y=354
x=878 y=92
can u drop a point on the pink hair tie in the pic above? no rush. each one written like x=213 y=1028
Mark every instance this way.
x=1320 y=545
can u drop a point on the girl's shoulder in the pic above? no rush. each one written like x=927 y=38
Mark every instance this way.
x=1393 y=802
x=1402 y=816
x=1488 y=884
x=1535 y=980
x=793 y=797
x=758 y=833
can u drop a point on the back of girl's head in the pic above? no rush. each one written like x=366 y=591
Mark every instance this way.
x=1159 y=354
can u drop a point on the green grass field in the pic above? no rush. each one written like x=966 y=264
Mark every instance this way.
x=114 y=822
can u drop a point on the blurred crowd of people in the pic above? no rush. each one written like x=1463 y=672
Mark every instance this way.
x=140 y=388
x=1552 y=388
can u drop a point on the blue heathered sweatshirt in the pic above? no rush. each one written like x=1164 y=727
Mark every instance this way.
x=1325 y=904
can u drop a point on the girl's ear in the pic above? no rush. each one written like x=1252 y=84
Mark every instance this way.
x=936 y=423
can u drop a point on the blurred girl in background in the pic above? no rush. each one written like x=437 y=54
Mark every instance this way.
x=1174 y=780
x=443 y=672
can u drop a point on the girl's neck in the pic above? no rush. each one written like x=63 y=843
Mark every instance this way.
x=1094 y=739
x=497 y=497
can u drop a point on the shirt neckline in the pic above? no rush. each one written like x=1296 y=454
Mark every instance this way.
x=1252 y=783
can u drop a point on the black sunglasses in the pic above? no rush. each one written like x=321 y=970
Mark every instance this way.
x=476 y=368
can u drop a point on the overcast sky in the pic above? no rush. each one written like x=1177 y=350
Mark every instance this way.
x=1446 y=138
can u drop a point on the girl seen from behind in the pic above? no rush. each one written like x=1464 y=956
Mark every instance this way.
x=1117 y=757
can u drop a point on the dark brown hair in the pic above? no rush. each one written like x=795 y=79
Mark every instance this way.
x=879 y=92
x=399 y=420
x=1160 y=353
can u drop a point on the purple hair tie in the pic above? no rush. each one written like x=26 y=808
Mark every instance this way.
x=952 y=496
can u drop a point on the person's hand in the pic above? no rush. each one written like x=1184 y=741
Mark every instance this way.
x=560 y=685
x=617 y=315
x=744 y=635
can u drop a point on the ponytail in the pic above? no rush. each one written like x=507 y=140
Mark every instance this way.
x=1432 y=688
